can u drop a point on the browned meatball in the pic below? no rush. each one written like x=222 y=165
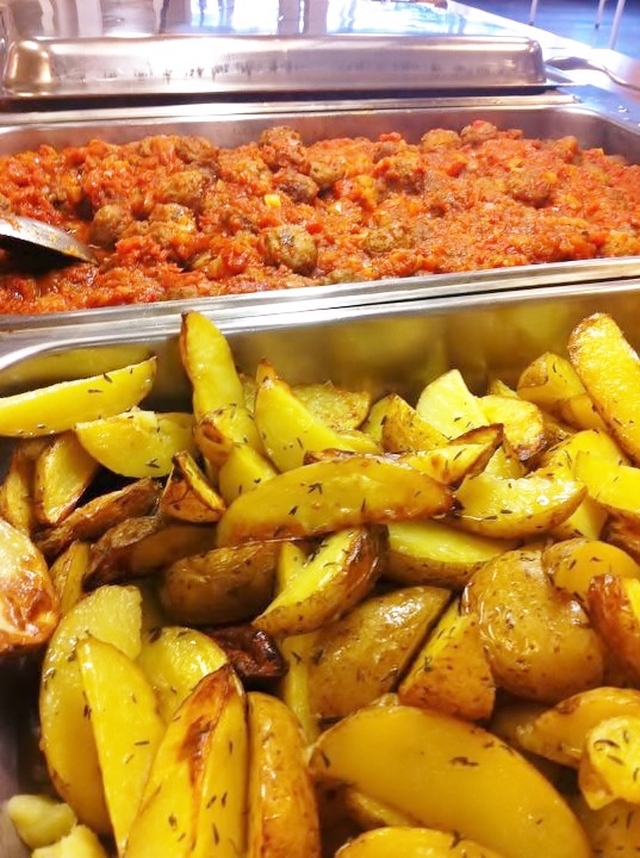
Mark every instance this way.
x=292 y=246
x=109 y=222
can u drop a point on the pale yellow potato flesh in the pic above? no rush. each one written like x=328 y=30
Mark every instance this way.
x=80 y=842
x=572 y=563
x=63 y=471
x=61 y=406
x=126 y=725
x=39 y=819
x=139 y=443
x=454 y=776
x=610 y=762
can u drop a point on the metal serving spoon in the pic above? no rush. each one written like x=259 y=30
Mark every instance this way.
x=23 y=232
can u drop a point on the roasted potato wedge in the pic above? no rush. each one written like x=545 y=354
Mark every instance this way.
x=92 y=519
x=613 y=829
x=360 y=657
x=174 y=659
x=188 y=495
x=539 y=641
x=138 y=443
x=515 y=508
x=63 y=472
x=332 y=495
x=398 y=427
x=141 y=546
x=68 y=572
x=418 y=842
x=610 y=762
x=127 y=727
x=433 y=552
x=194 y=804
x=17 y=490
x=572 y=563
x=289 y=430
x=559 y=733
x=112 y=614
x=524 y=425
x=447 y=764
x=59 y=407
x=242 y=470
x=451 y=672
x=29 y=609
x=225 y=585
x=341 y=571
x=610 y=371
x=613 y=603
x=283 y=819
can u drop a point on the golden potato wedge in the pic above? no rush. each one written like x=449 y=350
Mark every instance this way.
x=610 y=371
x=360 y=657
x=343 y=569
x=615 y=487
x=417 y=842
x=515 y=508
x=580 y=412
x=68 y=572
x=433 y=552
x=610 y=762
x=283 y=817
x=295 y=686
x=613 y=603
x=288 y=429
x=590 y=517
x=188 y=495
x=613 y=830
x=195 y=801
x=339 y=408
x=243 y=470
x=572 y=563
x=400 y=427
x=209 y=364
x=369 y=813
x=138 y=443
x=112 y=614
x=539 y=641
x=453 y=462
x=59 y=407
x=332 y=495
x=29 y=609
x=64 y=470
x=92 y=519
x=449 y=406
x=127 y=727
x=224 y=585
x=559 y=733
x=17 y=490
x=39 y=819
x=523 y=422
x=451 y=672
x=216 y=433
x=549 y=380
x=623 y=534
x=174 y=659
x=143 y=545
x=447 y=766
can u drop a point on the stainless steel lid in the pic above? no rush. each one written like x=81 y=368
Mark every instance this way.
x=97 y=48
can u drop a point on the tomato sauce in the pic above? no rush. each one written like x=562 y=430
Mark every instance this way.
x=178 y=217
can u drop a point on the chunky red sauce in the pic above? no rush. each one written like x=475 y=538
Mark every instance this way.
x=178 y=217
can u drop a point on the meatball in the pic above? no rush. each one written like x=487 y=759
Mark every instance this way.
x=292 y=246
x=109 y=223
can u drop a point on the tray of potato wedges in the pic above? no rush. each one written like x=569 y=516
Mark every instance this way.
x=341 y=586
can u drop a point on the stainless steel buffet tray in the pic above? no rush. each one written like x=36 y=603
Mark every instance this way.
x=549 y=115
x=398 y=346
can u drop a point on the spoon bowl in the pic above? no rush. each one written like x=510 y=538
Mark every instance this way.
x=18 y=232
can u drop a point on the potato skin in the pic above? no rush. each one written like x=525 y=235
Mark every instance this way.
x=539 y=641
